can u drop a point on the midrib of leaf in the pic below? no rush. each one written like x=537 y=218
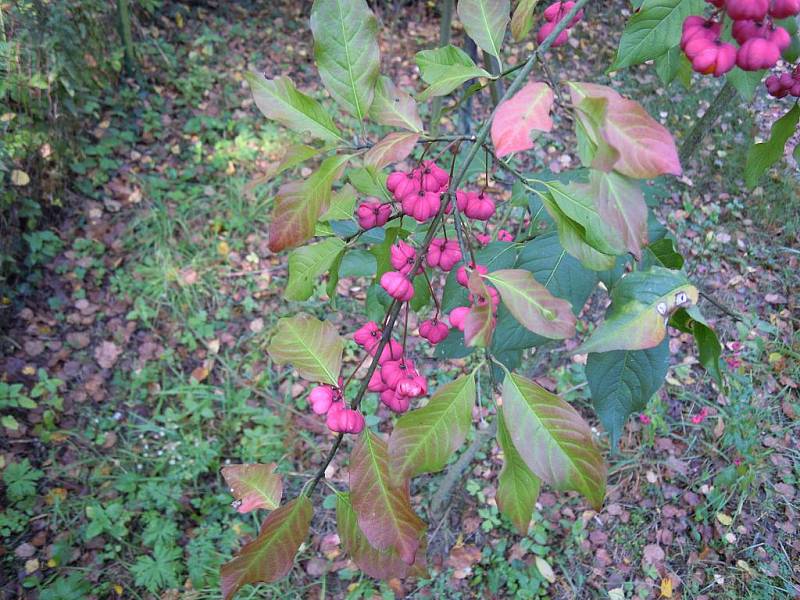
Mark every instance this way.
x=331 y=377
x=294 y=109
x=349 y=64
x=646 y=39
x=263 y=491
x=555 y=268
x=518 y=292
x=381 y=485
x=482 y=4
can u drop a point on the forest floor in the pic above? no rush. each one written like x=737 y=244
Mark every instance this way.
x=133 y=363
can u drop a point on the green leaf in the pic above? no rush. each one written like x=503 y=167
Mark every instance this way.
x=641 y=303
x=347 y=53
x=517 y=486
x=532 y=304
x=425 y=439
x=691 y=320
x=313 y=347
x=394 y=107
x=307 y=264
x=662 y=253
x=621 y=206
x=270 y=556
x=393 y=148
x=653 y=30
x=485 y=22
x=254 y=486
x=375 y=563
x=369 y=182
x=761 y=157
x=280 y=101
x=383 y=252
x=522 y=18
x=445 y=69
x=298 y=205
x=358 y=263
x=553 y=439
x=342 y=205
x=674 y=64
x=622 y=382
x=422 y=294
x=745 y=82
x=384 y=510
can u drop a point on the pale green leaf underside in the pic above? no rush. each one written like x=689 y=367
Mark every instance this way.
x=307 y=264
x=311 y=346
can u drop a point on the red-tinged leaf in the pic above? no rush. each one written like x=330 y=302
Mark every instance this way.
x=299 y=204
x=480 y=322
x=380 y=564
x=522 y=18
x=394 y=107
x=532 y=304
x=254 y=486
x=393 y=148
x=553 y=439
x=423 y=440
x=522 y=115
x=620 y=204
x=270 y=556
x=313 y=347
x=384 y=510
x=646 y=148
x=517 y=486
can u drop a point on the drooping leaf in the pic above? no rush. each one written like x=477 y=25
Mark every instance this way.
x=553 y=439
x=307 y=264
x=370 y=182
x=517 y=486
x=384 y=510
x=559 y=272
x=422 y=293
x=358 y=263
x=382 y=252
x=691 y=320
x=346 y=51
x=620 y=204
x=394 y=107
x=270 y=556
x=641 y=303
x=395 y=147
x=494 y=256
x=745 y=82
x=533 y=305
x=280 y=101
x=424 y=439
x=525 y=113
x=761 y=157
x=380 y=564
x=522 y=18
x=645 y=147
x=479 y=323
x=295 y=154
x=622 y=382
x=313 y=347
x=342 y=205
x=653 y=30
x=299 y=203
x=662 y=253
x=672 y=65
x=254 y=486
x=485 y=22
x=444 y=69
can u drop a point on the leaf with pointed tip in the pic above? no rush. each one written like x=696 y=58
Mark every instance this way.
x=424 y=439
x=761 y=157
x=299 y=204
x=621 y=206
x=517 y=486
x=307 y=264
x=342 y=205
x=553 y=439
x=641 y=303
x=532 y=305
x=623 y=381
x=444 y=69
x=384 y=510
x=395 y=147
x=346 y=51
x=280 y=101
x=270 y=556
x=646 y=148
x=485 y=22
x=254 y=486
x=394 y=107
x=522 y=18
x=312 y=346
x=525 y=113
x=691 y=320
x=479 y=323
x=380 y=564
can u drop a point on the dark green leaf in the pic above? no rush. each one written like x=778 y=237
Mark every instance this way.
x=761 y=157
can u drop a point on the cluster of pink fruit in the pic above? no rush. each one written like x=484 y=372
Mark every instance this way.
x=785 y=84
x=553 y=15
x=328 y=400
x=760 y=40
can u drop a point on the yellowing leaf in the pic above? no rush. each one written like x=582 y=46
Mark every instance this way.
x=545 y=569
x=312 y=346
x=666 y=588
x=19 y=178
x=724 y=519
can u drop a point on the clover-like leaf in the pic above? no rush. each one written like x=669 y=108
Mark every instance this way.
x=517 y=486
x=254 y=486
x=526 y=113
x=641 y=304
x=553 y=439
x=312 y=346
x=270 y=556
x=424 y=439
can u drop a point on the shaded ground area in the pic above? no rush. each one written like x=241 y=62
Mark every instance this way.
x=133 y=363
